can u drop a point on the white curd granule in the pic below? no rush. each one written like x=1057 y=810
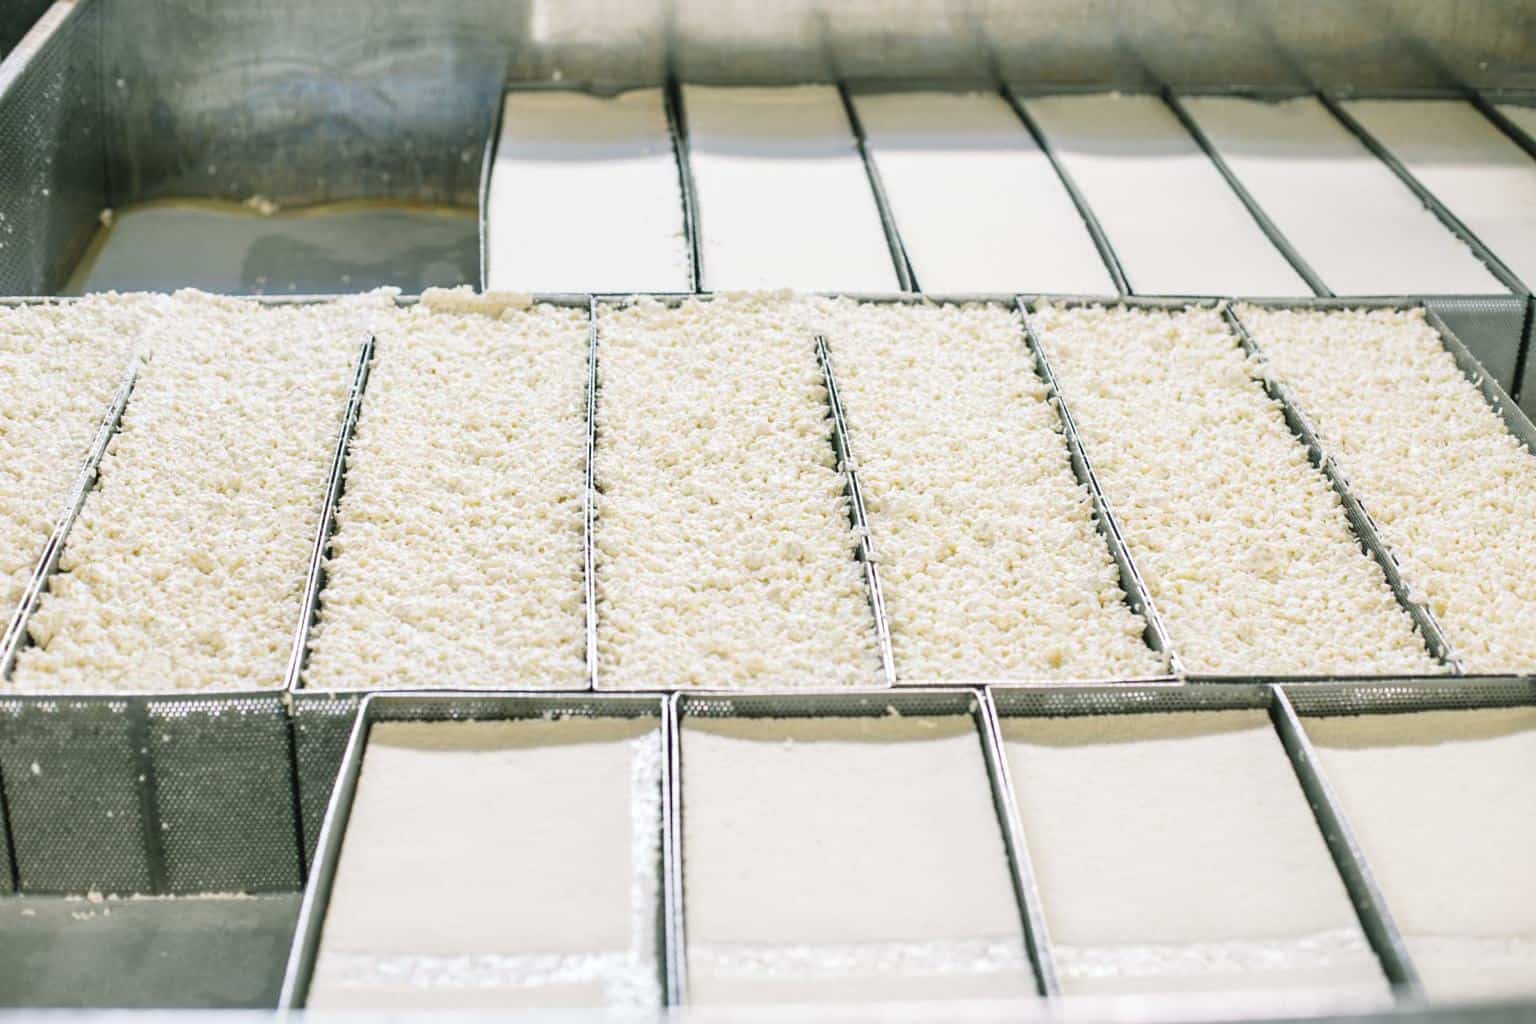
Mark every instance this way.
x=990 y=564
x=61 y=364
x=1450 y=488
x=1243 y=544
x=725 y=555
x=186 y=568
x=457 y=560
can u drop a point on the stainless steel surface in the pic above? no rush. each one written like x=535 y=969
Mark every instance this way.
x=677 y=127
x=309 y=609
x=423 y=706
x=1090 y=220
x=589 y=501
x=844 y=704
x=1131 y=583
x=51 y=149
x=1360 y=521
x=1515 y=420
x=846 y=465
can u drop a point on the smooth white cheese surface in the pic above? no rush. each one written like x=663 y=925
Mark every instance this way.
x=1477 y=171
x=978 y=205
x=457 y=561
x=1176 y=852
x=585 y=196
x=1174 y=222
x=852 y=859
x=1242 y=543
x=1441 y=803
x=783 y=197
x=1358 y=226
x=725 y=555
x=990 y=564
x=498 y=864
x=1449 y=486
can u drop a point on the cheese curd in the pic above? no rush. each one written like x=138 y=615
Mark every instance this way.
x=60 y=363
x=457 y=560
x=1243 y=544
x=186 y=568
x=1450 y=488
x=990 y=564
x=725 y=555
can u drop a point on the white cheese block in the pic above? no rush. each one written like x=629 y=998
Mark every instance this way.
x=1176 y=852
x=852 y=859
x=1174 y=222
x=1358 y=226
x=1441 y=803
x=500 y=865
x=783 y=197
x=978 y=205
x=585 y=196
x=1472 y=167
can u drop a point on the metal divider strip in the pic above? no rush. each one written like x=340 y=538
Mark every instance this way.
x=1131 y=583
x=905 y=277
x=1485 y=255
x=857 y=513
x=149 y=793
x=1519 y=136
x=676 y=946
x=487 y=166
x=589 y=499
x=682 y=151
x=1360 y=520
x=314 y=581
x=1090 y=219
x=1370 y=906
x=317 y=893
x=48 y=562
x=1037 y=936
x=1270 y=228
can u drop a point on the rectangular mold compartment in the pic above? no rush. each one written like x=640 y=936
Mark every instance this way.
x=111 y=106
x=896 y=965
x=1361 y=525
x=862 y=551
x=157 y=861
x=1436 y=777
x=445 y=708
x=1013 y=704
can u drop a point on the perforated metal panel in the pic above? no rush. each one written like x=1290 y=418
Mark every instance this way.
x=135 y=795
x=1127 y=700
x=51 y=157
x=1492 y=328
x=1403 y=697
x=322 y=723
